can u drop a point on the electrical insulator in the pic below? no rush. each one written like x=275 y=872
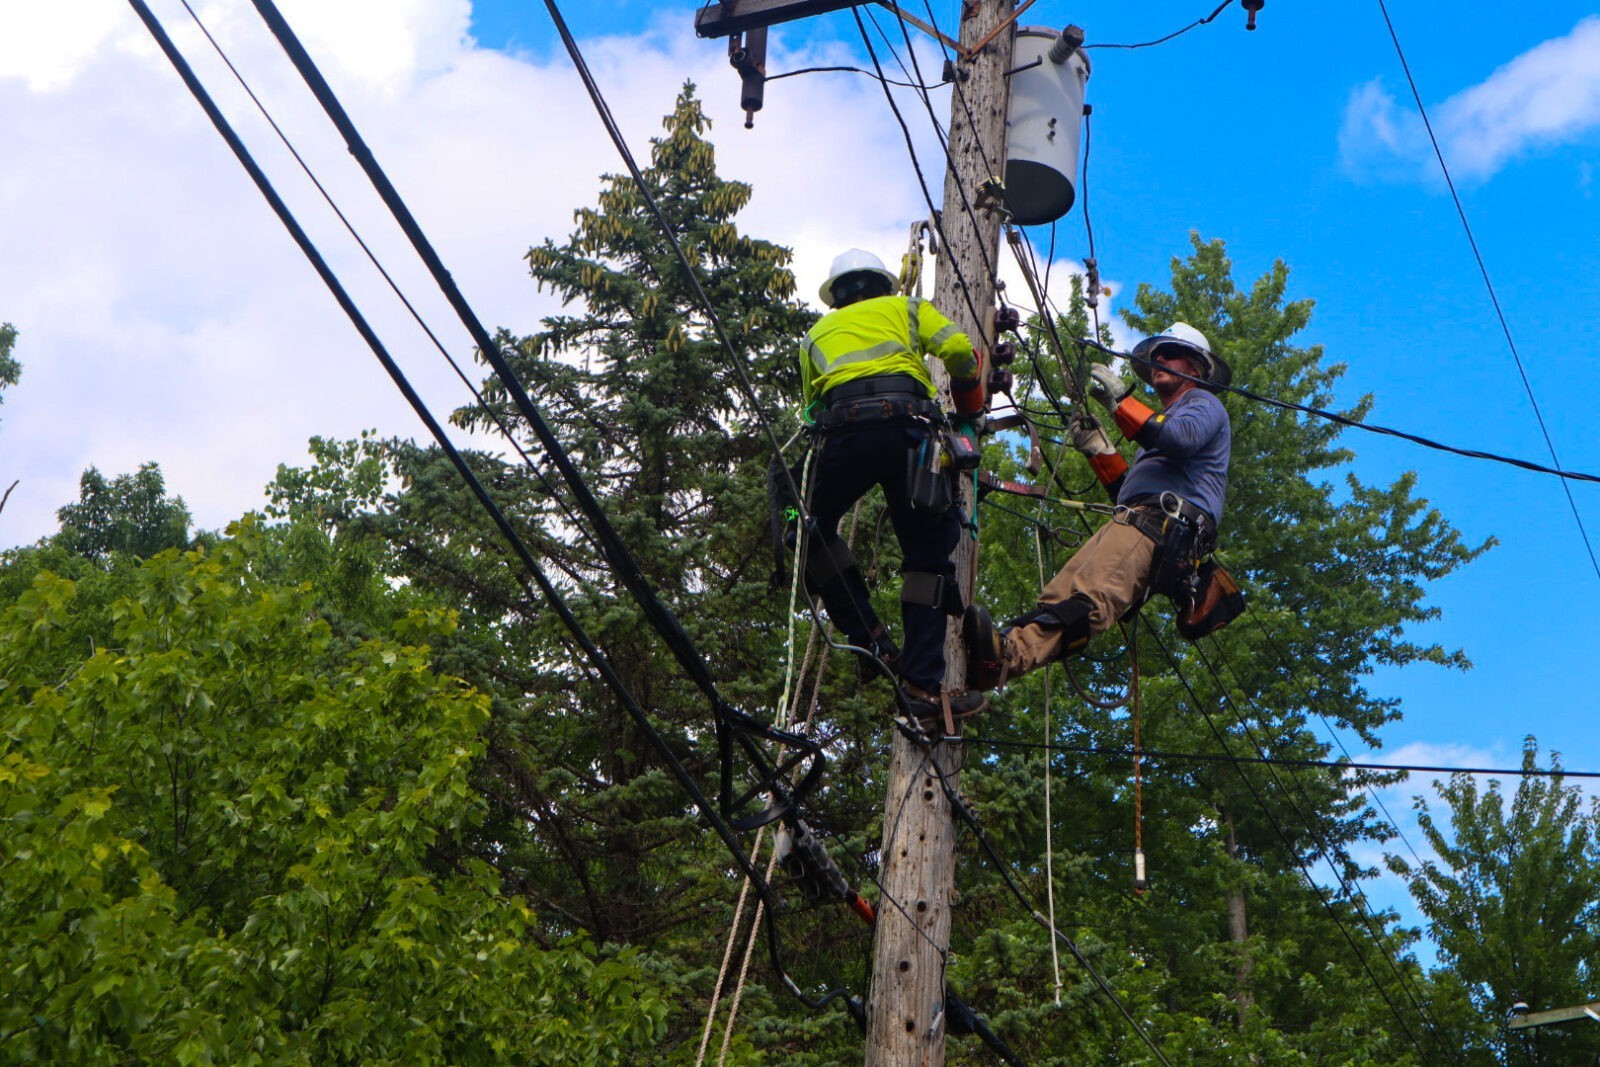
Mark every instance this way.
x=1001 y=381
x=1002 y=353
x=1006 y=318
x=1252 y=6
x=748 y=55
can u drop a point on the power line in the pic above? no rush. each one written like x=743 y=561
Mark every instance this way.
x=1276 y=761
x=1483 y=269
x=1345 y=420
x=1175 y=33
x=552 y=595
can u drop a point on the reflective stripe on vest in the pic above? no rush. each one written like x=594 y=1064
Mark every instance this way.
x=823 y=365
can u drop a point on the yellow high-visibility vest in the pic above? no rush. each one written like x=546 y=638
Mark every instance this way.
x=883 y=335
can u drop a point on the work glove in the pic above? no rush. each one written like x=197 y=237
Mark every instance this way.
x=1088 y=436
x=1106 y=386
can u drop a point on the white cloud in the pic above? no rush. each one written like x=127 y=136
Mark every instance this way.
x=1548 y=95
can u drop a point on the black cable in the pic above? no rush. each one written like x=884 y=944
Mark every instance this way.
x=1343 y=420
x=852 y=70
x=1176 y=33
x=934 y=212
x=596 y=658
x=373 y=259
x=1483 y=269
x=1276 y=761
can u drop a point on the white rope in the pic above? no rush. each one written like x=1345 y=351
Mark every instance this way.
x=784 y=716
x=1049 y=849
x=727 y=955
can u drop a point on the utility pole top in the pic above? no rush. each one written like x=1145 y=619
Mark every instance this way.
x=736 y=16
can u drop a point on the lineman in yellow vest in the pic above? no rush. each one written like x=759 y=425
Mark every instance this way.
x=871 y=400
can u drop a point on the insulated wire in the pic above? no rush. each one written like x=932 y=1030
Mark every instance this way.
x=1344 y=420
x=934 y=211
x=1151 y=754
x=376 y=263
x=1483 y=269
x=1176 y=33
x=552 y=595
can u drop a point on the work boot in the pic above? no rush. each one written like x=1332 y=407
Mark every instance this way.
x=928 y=707
x=986 y=648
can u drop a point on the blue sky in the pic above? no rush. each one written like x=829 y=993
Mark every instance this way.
x=165 y=317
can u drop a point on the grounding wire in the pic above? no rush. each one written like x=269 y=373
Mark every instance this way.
x=596 y=658
x=1483 y=269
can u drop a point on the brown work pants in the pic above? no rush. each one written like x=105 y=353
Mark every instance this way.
x=1111 y=570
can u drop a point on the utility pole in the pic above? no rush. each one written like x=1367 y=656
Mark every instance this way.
x=906 y=1022
x=906 y=1018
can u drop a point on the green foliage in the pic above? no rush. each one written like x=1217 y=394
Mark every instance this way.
x=131 y=514
x=10 y=369
x=1511 y=904
x=227 y=838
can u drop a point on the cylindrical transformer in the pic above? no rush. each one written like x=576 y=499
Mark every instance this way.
x=1044 y=126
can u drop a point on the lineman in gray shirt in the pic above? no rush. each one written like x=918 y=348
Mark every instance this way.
x=1170 y=501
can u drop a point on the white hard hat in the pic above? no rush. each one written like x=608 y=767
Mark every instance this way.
x=1193 y=344
x=851 y=262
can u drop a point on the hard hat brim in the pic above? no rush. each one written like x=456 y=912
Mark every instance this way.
x=826 y=292
x=1214 y=369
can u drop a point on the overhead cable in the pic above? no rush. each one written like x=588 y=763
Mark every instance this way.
x=1483 y=269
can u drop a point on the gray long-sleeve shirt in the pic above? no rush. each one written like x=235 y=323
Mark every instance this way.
x=1185 y=451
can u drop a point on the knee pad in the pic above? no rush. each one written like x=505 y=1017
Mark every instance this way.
x=1071 y=616
x=929 y=590
x=828 y=561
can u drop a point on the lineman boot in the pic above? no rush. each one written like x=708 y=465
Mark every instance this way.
x=933 y=709
x=986 y=649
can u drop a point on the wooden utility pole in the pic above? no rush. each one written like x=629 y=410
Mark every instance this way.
x=905 y=1006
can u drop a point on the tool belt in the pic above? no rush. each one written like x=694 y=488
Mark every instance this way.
x=1206 y=596
x=880 y=398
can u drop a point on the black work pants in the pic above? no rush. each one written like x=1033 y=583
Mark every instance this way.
x=852 y=459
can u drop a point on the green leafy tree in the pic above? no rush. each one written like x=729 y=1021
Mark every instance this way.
x=1510 y=902
x=229 y=836
x=10 y=369
x=130 y=514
